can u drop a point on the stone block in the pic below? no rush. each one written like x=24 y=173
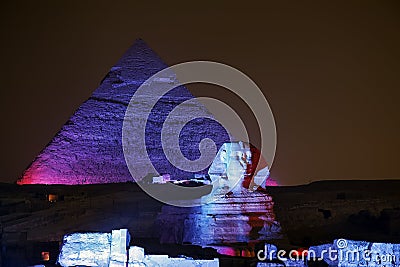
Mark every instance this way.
x=160 y=260
x=136 y=254
x=88 y=249
x=117 y=264
x=119 y=243
x=138 y=264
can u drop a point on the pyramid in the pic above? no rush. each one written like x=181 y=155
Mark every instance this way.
x=88 y=148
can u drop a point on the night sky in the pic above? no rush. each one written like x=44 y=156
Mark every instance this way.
x=329 y=69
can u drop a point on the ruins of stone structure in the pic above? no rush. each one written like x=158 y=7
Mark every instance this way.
x=86 y=249
x=113 y=250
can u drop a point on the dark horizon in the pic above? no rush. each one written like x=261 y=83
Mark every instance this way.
x=330 y=73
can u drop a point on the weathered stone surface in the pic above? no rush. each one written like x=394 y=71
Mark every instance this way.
x=238 y=166
x=164 y=260
x=138 y=264
x=119 y=243
x=136 y=254
x=88 y=148
x=110 y=250
x=240 y=217
x=88 y=249
x=117 y=264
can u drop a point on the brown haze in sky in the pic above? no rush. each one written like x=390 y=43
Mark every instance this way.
x=329 y=69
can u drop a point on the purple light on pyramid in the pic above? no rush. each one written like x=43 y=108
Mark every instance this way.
x=88 y=148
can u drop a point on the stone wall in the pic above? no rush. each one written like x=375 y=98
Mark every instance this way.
x=112 y=250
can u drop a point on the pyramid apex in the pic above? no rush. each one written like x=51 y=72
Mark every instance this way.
x=139 y=41
x=137 y=51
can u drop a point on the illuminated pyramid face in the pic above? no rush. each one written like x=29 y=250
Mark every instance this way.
x=88 y=148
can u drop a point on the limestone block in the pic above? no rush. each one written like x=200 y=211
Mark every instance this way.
x=156 y=260
x=164 y=260
x=136 y=254
x=88 y=249
x=137 y=264
x=117 y=264
x=119 y=243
